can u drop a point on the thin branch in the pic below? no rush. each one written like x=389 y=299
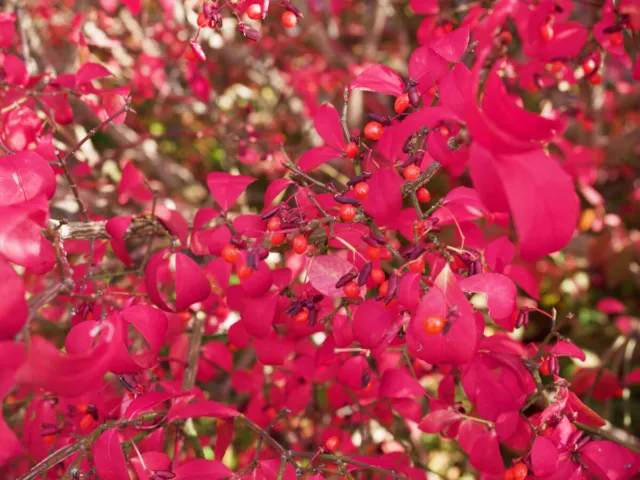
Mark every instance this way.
x=193 y=353
x=609 y=436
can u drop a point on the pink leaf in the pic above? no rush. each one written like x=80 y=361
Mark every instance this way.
x=134 y=5
x=117 y=227
x=328 y=126
x=91 y=71
x=439 y=420
x=544 y=457
x=540 y=195
x=524 y=279
x=500 y=292
x=568 y=349
x=399 y=384
x=226 y=188
x=108 y=457
x=147 y=403
x=454 y=88
x=499 y=253
x=316 y=156
x=274 y=189
x=24 y=176
x=219 y=354
x=207 y=408
x=371 y=321
x=379 y=79
x=610 y=306
x=7 y=32
x=609 y=460
x=425 y=7
x=452 y=45
x=427 y=68
x=201 y=469
x=325 y=271
x=384 y=202
x=272 y=350
x=13 y=308
x=132 y=185
x=258 y=314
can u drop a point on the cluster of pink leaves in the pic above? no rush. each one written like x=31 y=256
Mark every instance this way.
x=514 y=177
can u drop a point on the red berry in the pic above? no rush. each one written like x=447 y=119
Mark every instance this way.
x=411 y=172
x=433 y=324
x=351 y=150
x=230 y=254
x=509 y=474
x=557 y=66
x=423 y=195
x=383 y=290
x=352 y=289
x=544 y=366
x=190 y=55
x=273 y=224
x=347 y=212
x=444 y=130
x=520 y=471
x=244 y=271
x=385 y=254
x=589 y=66
x=254 y=12
x=433 y=89
x=332 y=443
x=83 y=407
x=300 y=244
x=377 y=275
x=202 y=20
x=289 y=19
x=595 y=79
x=374 y=252
x=50 y=439
x=546 y=32
x=505 y=37
x=401 y=103
x=548 y=431
x=87 y=421
x=417 y=266
x=361 y=190
x=616 y=38
x=301 y=317
x=373 y=130
x=277 y=239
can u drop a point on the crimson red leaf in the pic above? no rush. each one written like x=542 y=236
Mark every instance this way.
x=134 y=5
x=117 y=227
x=147 y=403
x=258 y=314
x=108 y=457
x=398 y=383
x=328 y=126
x=132 y=185
x=544 y=457
x=452 y=45
x=371 y=321
x=501 y=295
x=427 y=67
x=226 y=188
x=568 y=349
x=90 y=71
x=379 y=79
x=24 y=176
x=207 y=408
x=13 y=308
x=315 y=157
x=274 y=189
x=384 y=202
x=439 y=420
x=324 y=272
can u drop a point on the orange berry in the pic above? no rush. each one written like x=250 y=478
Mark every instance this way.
x=190 y=55
x=244 y=271
x=50 y=439
x=347 y=212
x=589 y=66
x=87 y=421
x=301 y=317
x=373 y=252
x=300 y=244
x=289 y=19
x=509 y=474
x=520 y=471
x=433 y=324
x=417 y=266
x=401 y=103
x=546 y=32
x=83 y=407
x=423 y=195
x=202 y=20
x=361 y=190
x=352 y=289
x=254 y=12
x=616 y=38
x=277 y=239
x=377 y=275
x=411 y=172
x=373 y=130
x=332 y=443
x=230 y=254
x=351 y=150
x=595 y=79
x=383 y=290
x=274 y=224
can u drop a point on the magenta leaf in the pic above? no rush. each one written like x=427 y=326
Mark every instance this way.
x=400 y=384
x=371 y=321
x=568 y=349
x=258 y=314
x=207 y=408
x=499 y=253
x=117 y=227
x=133 y=5
x=226 y=188
x=108 y=457
x=452 y=45
x=379 y=79
x=317 y=156
x=544 y=457
x=438 y=420
x=201 y=469
x=274 y=189
x=219 y=354
x=606 y=459
x=147 y=403
x=384 y=203
x=324 y=272
x=500 y=292
x=427 y=67
x=24 y=176
x=610 y=306
x=132 y=185
x=328 y=126
x=91 y=71
x=13 y=308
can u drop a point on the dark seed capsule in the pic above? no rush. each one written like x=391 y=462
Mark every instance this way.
x=467 y=258
x=366 y=378
x=472 y=270
x=475 y=268
x=308 y=302
x=238 y=242
x=379 y=238
x=249 y=32
x=406 y=144
x=318 y=298
x=355 y=139
x=288 y=309
x=369 y=241
x=447 y=327
x=346 y=200
x=270 y=213
x=612 y=29
x=48 y=429
x=393 y=288
x=364 y=273
x=251 y=260
x=520 y=319
x=414 y=97
x=313 y=316
x=297 y=307
x=346 y=279
x=293 y=9
x=583 y=441
x=164 y=475
x=208 y=10
x=360 y=178
x=128 y=382
x=554 y=365
x=414 y=252
x=262 y=252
